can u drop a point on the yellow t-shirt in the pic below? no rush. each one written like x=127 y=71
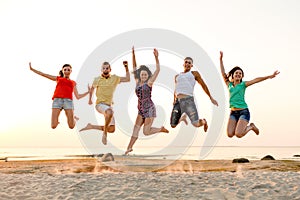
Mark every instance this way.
x=105 y=88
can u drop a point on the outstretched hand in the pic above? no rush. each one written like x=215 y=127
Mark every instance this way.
x=89 y=88
x=30 y=66
x=275 y=74
x=132 y=50
x=214 y=102
x=221 y=55
x=155 y=52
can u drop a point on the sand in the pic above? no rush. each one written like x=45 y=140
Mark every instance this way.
x=89 y=178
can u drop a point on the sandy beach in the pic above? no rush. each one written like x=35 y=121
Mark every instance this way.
x=135 y=178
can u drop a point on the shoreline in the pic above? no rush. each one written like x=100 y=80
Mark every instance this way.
x=134 y=164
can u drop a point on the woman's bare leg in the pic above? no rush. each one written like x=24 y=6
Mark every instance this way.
x=254 y=128
x=149 y=130
x=70 y=118
x=137 y=126
x=242 y=128
x=130 y=145
x=231 y=127
x=54 y=117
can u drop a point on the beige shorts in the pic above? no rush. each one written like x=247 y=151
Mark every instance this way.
x=101 y=108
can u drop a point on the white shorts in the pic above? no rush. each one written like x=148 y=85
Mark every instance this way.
x=101 y=108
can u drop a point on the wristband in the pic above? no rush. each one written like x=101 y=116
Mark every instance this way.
x=125 y=63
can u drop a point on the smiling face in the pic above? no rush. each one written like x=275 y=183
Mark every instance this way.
x=238 y=75
x=188 y=64
x=67 y=70
x=106 y=69
x=144 y=76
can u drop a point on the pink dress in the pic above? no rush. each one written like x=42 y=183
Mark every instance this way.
x=146 y=106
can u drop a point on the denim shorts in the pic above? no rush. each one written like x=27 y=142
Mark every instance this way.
x=184 y=105
x=240 y=114
x=63 y=103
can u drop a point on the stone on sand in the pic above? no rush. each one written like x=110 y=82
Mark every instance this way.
x=107 y=157
x=268 y=157
x=240 y=160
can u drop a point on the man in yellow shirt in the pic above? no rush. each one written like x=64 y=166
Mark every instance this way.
x=105 y=85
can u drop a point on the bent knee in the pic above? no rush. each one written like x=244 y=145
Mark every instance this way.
x=54 y=125
x=71 y=123
x=230 y=134
x=239 y=135
x=71 y=126
x=109 y=112
x=146 y=132
x=111 y=129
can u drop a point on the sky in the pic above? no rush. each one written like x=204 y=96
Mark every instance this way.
x=261 y=36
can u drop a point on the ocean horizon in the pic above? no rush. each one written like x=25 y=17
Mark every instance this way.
x=192 y=153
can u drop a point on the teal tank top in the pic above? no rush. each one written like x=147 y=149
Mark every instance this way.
x=237 y=95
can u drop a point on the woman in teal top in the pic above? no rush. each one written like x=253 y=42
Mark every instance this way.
x=239 y=115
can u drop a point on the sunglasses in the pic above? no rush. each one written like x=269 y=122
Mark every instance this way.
x=65 y=70
x=187 y=62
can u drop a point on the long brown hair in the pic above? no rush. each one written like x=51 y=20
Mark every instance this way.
x=137 y=72
x=231 y=72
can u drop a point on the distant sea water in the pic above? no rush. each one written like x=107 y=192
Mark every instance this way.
x=215 y=153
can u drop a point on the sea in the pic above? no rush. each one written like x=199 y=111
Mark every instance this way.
x=172 y=153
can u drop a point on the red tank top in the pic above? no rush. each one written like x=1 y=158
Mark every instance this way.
x=64 y=88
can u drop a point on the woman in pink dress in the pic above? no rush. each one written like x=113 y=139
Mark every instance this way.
x=146 y=108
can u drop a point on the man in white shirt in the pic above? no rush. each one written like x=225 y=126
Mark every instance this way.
x=184 y=99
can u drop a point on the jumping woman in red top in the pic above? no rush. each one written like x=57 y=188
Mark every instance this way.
x=63 y=95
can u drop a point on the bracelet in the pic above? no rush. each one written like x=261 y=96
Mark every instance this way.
x=125 y=63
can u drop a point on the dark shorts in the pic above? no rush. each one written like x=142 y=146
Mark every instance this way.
x=240 y=114
x=185 y=105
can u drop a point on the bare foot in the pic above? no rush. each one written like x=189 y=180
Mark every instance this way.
x=104 y=138
x=128 y=151
x=183 y=119
x=254 y=128
x=164 y=130
x=205 y=125
x=87 y=127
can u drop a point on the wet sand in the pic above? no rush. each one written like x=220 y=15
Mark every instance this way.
x=133 y=164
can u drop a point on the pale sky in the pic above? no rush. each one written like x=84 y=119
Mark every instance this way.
x=261 y=36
